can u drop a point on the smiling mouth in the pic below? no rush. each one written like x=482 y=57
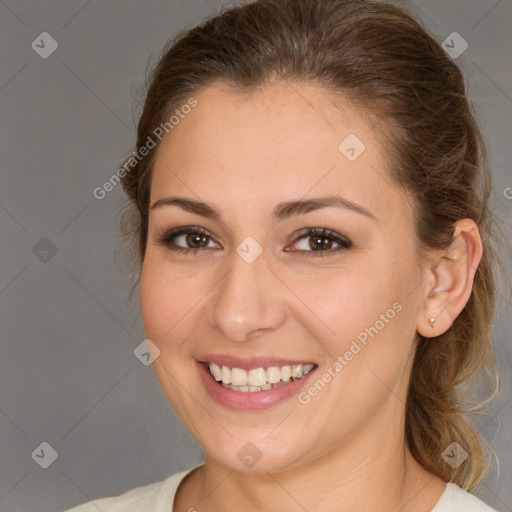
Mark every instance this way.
x=257 y=379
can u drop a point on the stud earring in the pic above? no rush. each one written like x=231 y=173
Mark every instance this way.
x=431 y=322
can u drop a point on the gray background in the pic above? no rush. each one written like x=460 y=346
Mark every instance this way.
x=68 y=375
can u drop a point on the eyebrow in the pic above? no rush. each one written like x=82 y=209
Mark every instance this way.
x=280 y=212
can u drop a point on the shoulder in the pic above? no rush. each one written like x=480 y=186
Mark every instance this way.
x=157 y=497
x=455 y=499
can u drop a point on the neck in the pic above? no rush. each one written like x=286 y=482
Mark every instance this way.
x=381 y=475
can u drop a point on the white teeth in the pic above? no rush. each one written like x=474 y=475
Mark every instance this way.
x=307 y=368
x=215 y=371
x=236 y=388
x=273 y=374
x=239 y=377
x=226 y=375
x=297 y=371
x=258 y=378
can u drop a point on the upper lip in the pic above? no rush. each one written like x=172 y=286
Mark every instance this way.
x=250 y=362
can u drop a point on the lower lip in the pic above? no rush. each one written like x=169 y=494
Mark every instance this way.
x=249 y=400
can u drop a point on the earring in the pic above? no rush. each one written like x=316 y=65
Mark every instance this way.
x=432 y=321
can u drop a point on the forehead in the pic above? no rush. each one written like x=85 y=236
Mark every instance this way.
x=280 y=142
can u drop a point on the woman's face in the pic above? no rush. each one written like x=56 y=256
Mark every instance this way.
x=255 y=290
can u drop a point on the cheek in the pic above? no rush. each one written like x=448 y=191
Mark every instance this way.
x=346 y=299
x=169 y=300
x=364 y=302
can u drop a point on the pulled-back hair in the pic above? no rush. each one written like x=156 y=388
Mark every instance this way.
x=381 y=59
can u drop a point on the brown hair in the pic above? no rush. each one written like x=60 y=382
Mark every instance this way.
x=379 y=57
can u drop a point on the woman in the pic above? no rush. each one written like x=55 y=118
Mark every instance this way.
x=316 y=262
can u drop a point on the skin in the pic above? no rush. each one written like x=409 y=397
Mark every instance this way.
x=345 y=449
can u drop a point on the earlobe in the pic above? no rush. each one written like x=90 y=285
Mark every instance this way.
x=451 y=280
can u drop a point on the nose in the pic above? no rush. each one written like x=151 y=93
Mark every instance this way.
x=247 y=301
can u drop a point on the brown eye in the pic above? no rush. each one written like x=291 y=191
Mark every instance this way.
x=186 y=239
x=193 y=238
x=319 y=242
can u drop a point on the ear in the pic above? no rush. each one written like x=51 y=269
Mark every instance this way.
x=449 y=284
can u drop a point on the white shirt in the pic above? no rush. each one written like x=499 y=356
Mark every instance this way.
x=159 y=497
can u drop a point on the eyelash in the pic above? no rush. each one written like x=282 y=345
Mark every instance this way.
x=342 y=241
